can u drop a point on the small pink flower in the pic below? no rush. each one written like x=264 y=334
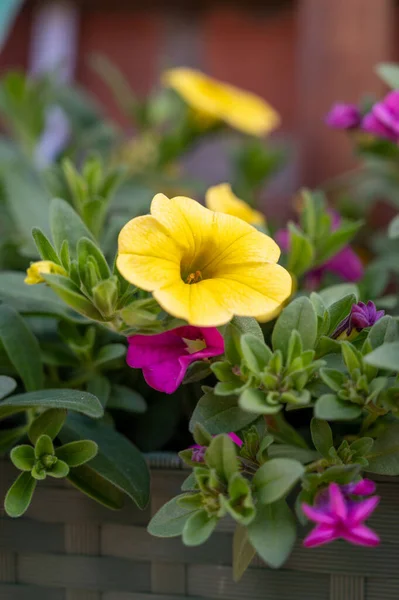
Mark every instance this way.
x=343 y=116
x=198 y=454
x=165 y=357
x=383 y=120
x=338 y=516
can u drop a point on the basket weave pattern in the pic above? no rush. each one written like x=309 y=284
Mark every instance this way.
x=67 y=547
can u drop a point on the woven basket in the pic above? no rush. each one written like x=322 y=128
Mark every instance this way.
x=67 y=547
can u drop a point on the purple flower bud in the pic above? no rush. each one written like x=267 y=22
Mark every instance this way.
x=343 y=116
x=383 y=120
x=361 y=316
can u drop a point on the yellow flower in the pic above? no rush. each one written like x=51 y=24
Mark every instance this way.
x=33 y=274
x=242 y=110
x=202 y=266
x=273 y=315
x=221 y=198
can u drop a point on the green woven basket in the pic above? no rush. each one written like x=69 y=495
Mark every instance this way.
x=67 y=547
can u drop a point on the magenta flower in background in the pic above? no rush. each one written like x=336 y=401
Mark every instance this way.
x=346 y=263
x=198 y=454
x=361 y=316
x=383 y=120
x=165 y=357
x=343 y=116
x=340 y=512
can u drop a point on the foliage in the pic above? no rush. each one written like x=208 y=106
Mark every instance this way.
x=313 y=398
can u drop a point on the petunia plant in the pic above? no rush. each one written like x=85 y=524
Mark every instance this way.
x=195 y=309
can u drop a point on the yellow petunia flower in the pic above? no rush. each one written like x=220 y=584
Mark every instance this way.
x=239 y=109
x=202 y=266
x=221 y=198
x=33 y=273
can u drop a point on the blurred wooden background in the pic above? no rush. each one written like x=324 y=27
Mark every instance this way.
x=300 y=55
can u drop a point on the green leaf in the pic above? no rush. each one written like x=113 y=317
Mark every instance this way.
x=304 y=455
x=221 y=455
x=247 y=325
x=118 y=460
x=7 y=385
x=330 y=408
x=96 y=487
x=389 y=73
x=299 y=315
x=385 y=357
x=386 y=330
x=66 y=224
x=44 y=246
x=19 y=495
x=339 y=310
x=283 y=432
x=275 y=478
x=108 y=354
x=22 y=348
x=255 y=352
x=88 y=248
x=28 y=203
x=43 y=446
x=50 y=422
x=333 y=378
x=336 y=240
x=243 y=552
x=334 y=293
x=23 y=457
x=33 y=299
x=124 y=398
x=384 y=458
x=59 y=470
x=77 y=453
x=170 y=520
x=220 y=414
x=301 y=253
x=321 y=436
x=254 y=401
x=273 y=532
x=198 y=528
x=68 y=399
x=100 y=387
x=72 y=296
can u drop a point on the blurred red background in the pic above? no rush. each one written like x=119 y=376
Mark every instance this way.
x=299 y=55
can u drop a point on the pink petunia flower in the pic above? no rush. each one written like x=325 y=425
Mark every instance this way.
x=198 y=454
x=338 y=515
x=361 y=316
x=383 y=120
x=343 y=116
x=165 y=357
x=346 y=263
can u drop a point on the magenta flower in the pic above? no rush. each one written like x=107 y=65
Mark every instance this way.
x=346 y=263
x=343 y=116
x=338 y=515
x=198 y=454
x=383 y=120
x=165 y=357
x=361 y=316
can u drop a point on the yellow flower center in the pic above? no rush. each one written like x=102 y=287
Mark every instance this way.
x=194 y=345
x=194 y=277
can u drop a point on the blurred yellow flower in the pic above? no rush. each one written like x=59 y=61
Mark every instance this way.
x=33 y=273
x=202 y=266
x=221 y=198
x=239 y=109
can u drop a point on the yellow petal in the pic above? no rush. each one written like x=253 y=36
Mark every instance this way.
x=243 y=110
x=221 y=198
x=33 y=273
x=256 y=285
x=148 y=256
x=197 y=304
